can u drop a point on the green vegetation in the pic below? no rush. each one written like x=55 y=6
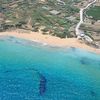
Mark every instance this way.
x=94 y=12
x=30 y=14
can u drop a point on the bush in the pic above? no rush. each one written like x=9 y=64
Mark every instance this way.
x=45 y=30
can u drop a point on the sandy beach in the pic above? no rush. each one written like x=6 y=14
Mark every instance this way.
x=50 y=40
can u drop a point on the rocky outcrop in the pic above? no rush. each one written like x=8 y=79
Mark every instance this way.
x=42 y=84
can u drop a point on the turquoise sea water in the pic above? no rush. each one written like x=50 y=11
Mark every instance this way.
x=31 y=71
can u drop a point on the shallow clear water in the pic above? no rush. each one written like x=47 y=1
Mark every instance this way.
x=31 y=71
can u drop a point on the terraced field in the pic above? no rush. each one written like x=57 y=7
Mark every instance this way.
x=94 y=12
x=32 y=14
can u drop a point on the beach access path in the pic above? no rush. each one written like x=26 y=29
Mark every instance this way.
x=77 y=30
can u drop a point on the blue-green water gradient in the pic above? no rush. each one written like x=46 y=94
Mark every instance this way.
x=31 y=71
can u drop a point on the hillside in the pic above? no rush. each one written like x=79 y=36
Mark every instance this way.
x=53 y=17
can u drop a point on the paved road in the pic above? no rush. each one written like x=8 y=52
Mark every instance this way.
x=78 y=31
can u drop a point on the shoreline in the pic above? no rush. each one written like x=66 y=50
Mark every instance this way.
x=50 y=40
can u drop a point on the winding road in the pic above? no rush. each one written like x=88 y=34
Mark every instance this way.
x=77 y=30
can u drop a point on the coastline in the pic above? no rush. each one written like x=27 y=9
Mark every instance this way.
x=50 y=40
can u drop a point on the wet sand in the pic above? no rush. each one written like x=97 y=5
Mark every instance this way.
x=50 y=40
